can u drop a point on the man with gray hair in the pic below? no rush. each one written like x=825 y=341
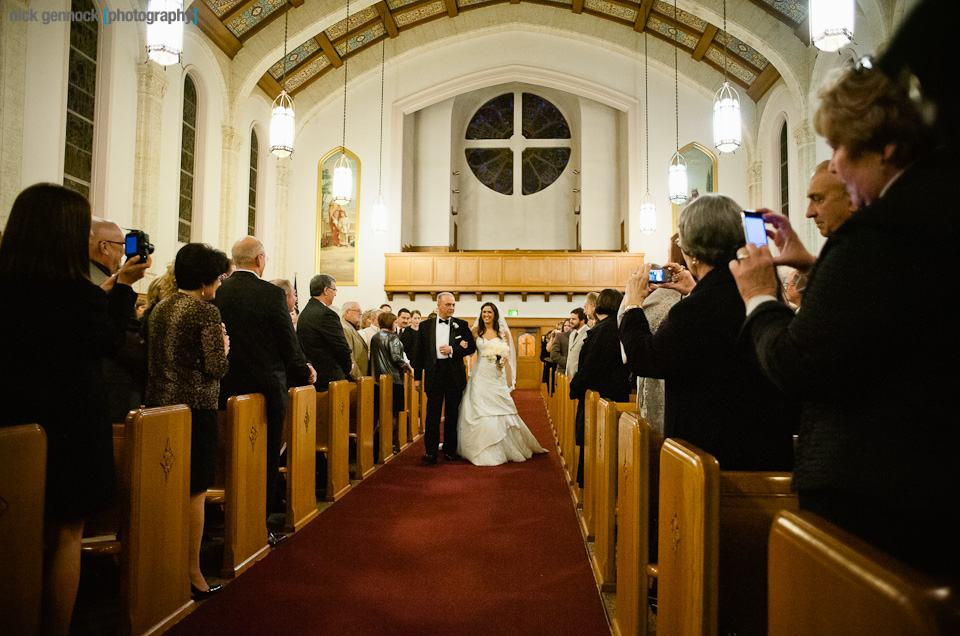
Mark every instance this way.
x=350 y=321
x=265 y=356
x=287 y=288
x=830 y=204
x=321 y=334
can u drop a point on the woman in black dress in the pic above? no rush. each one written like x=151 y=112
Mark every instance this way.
x=58 y=325
x=187 y=358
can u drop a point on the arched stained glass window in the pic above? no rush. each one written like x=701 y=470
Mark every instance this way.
x=542 y=149
x=784 y=172
x=188 y=151
x=81 y=93
x=252 y=199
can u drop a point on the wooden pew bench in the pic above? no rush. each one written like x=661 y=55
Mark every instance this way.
x=361 y=426
x=825 y=581
x=333 y=441
x=301 y=468
x=385 y=410
x=23 y=473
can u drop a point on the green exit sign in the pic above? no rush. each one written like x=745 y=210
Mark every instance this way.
x=513 y=312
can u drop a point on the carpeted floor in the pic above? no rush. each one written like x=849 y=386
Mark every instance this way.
x=423 y=550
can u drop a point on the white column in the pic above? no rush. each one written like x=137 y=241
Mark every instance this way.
x=755 y=184
x=806 y=139
x=280 y=220
x=151 y=87
x=13 y=62
x=232 y=141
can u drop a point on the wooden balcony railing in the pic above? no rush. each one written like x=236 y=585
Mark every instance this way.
x=507 y=272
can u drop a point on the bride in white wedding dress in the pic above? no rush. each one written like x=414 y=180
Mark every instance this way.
x=490 y=430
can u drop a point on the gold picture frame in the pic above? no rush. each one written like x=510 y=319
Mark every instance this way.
x=337 y=246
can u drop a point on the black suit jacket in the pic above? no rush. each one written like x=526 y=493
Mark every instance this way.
x=265 y=356
x=716 y=396
x=600 y=367
x=426 y=360
x=410 y=339
x=321 y=335
x=873 y=352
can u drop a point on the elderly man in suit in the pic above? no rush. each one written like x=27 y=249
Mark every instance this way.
x=444 y=343
x=359 y=350
x=265 y=356
x=321 y=334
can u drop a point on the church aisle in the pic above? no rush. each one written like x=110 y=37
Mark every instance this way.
x=451 y=549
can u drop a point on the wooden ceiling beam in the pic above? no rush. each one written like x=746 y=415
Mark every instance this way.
x=704 y=43
x=236 y=10
x=452 y=8
x=764 y=82
x=643 y=14
x=213 y=28
x=327 y=46
x=577 y=6
x=387 y=18
x=269 y=85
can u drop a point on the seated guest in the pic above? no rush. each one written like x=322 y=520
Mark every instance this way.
x=44 y=258
x=187 y=359
x=716 y=398
x=359 y=350
x=878 y=438
x=321 y=334
x=601 y=366
x=387 y=357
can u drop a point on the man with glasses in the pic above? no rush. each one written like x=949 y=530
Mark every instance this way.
x=106 y=250
x=350 y=321
x=321 y=334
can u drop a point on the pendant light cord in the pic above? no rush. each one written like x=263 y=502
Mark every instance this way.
x=646 y=110
x=283 y=73
x=383 y=47
x=346 y=46
x=726 y=44
x=676 y=73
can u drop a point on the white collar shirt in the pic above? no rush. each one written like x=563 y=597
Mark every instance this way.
x=443 y=337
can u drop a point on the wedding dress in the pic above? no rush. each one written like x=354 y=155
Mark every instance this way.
x=490 y=430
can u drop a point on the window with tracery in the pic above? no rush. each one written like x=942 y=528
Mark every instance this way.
x=784 y=172
x=530 y=161
x=81 y=95
x=252 y=198
x=188 y=151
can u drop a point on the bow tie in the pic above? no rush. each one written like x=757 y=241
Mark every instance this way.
x=444 y=322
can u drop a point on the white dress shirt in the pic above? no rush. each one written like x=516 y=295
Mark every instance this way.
x=443 y=337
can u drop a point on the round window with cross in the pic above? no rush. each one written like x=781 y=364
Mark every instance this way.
x=510 y=149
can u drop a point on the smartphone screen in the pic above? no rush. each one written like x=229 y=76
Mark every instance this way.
x=753 y=227
x=131 y=247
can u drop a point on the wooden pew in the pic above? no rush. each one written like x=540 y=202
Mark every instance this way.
x=301 y=469
x=333 y=437
x=155 y=519
x=402 y=439
x=244 y=441
x=638 y=452
x=361 y=425
x=749 y=502
x=561 y=398
x=385 y=453
x=101 y=532
x=23 y=473
x=588 y=517
x=605 y=458
x=825 y=581
x=687 y=556
x=412 y=407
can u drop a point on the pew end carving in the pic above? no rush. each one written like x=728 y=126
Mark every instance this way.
x=301 y=469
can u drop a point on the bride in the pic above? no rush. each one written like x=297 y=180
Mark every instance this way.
x=490 y=430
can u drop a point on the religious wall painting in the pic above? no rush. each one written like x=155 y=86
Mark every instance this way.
x=337 y=223
x=701 y=175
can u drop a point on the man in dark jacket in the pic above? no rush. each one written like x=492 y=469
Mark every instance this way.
x=321 y=334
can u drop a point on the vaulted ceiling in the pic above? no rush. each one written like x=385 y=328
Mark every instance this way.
x=230 y=24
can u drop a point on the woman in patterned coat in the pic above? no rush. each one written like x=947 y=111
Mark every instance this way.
x=187 y=358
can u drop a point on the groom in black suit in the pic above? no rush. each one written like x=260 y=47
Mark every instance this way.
x=444 y=343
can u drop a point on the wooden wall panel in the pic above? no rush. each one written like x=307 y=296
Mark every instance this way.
x=421 y=270
x=491 y=270
x=605 y=268
x=513 y=270
x=444 y=271
x=398 y=269
x=468 y=271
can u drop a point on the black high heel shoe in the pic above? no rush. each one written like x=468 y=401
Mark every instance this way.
x=202 y=596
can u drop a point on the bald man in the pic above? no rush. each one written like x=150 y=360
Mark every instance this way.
x=830 y=204
x=106 y=250
x=265 y=355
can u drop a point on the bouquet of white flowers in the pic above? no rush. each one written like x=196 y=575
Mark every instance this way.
x=496 y=350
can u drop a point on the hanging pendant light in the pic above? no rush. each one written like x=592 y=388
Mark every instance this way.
x=165 y=39
x=677 y=176
x=378 y=213
x=283 y=118
x=342 y=174
x=831 y=23
x=648 y=207
x=726 y=106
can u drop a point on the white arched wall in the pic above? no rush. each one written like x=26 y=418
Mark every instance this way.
x=415 y=81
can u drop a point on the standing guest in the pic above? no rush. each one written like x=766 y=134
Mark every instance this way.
x=601 y=367
x=415 y=318
x=548 y=365
x=44 y=256
x=386 y=307
x=590 y=307
x=830 y=204
x=794 y=285
x=878 y=436
x=578 y=331
x=265 y=356
x=159 y=289
x=188 y=357
x=716 y=396
x=560 y=347
x=321 y=334
x=359 y=351
x=287 y=287
x=370 y=324
x=407 y=335
x=125 y=372
x=387 y=357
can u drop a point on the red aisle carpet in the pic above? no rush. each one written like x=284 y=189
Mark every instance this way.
x=423 y=550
